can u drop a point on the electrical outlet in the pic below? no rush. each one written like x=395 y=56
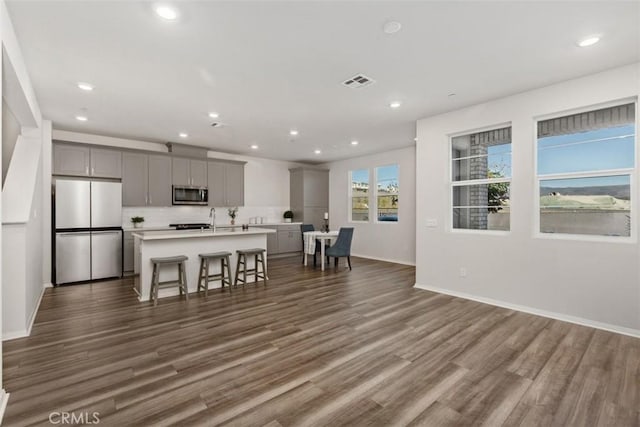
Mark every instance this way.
x=463 y=272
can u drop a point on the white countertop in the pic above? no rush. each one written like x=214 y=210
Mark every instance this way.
x=166 y=227
x=191 y=234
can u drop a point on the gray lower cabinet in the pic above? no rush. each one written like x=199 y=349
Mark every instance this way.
x=106 y=163
x=286 y=239
x=159 y=183
x=226 y=184
x=128 y=265
x=71 y=160
x=289 y=241
x=135 y=175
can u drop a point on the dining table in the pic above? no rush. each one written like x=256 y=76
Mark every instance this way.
x=309 y=245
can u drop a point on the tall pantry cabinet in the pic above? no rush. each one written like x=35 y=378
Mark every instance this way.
x=309 y=195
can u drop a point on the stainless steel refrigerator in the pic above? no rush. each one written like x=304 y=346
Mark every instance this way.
x=88 y=230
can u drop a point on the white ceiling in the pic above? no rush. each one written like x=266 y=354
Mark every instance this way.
x=268 y=67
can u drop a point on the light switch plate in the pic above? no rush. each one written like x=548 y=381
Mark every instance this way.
x=432 y=222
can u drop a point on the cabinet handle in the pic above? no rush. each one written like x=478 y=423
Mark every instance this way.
x=86 y=170
x=146 y=199
x=150 y=200
x=93 y=171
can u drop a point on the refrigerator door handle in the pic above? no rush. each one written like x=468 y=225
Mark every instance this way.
x=73 y=233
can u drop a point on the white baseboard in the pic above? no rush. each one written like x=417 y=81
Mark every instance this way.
x=395 y=261
x=26 y=332
x=4 y=399
x=544 y=313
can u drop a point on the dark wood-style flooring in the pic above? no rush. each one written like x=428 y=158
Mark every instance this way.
x=315 y=348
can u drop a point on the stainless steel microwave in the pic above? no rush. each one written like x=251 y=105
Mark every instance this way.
x=187 y=195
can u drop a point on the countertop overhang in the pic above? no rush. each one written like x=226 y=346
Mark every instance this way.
x=199 y=234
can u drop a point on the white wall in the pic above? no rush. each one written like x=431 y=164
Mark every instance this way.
x=23 y=239
x=388 y=240
x=583 y=281
x=10 y=132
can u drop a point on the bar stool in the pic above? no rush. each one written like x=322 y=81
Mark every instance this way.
x=258 y=255
x=155 y=277
x=204 y=277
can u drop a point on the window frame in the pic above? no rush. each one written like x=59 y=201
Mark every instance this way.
x=375 y=179
x=470 y=182
x=630 y=172
x=350 y=197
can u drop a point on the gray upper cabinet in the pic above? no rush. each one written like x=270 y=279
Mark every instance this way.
x=235 y=184
x=198 y=169
x=226 y=184
x=159 y=185
x=189 y=172
x=106 y=163
x=216 y=184
x=180 y=172
x=134 y=179
x=76 y=160
x=71 y=160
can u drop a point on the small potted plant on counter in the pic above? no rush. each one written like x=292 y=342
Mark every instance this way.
x=137 y=221
x=232 y=214
x=288 y=216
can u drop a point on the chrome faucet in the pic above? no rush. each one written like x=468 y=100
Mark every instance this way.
x=212 y=219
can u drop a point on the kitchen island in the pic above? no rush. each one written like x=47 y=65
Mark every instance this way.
x=152 y=244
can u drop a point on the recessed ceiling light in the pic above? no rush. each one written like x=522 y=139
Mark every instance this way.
x=214 y=115
x=317 y=151
x=166 y=12
x=293 y=132
x=395 y=104
x=254 y=147
x=354 y=142
x=85 y=86
x=589 y=41
x=183 y=135
x=392 y=27
x=82 y=118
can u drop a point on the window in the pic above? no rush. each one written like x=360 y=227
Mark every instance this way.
x=586 y=163
x=387 y=193
x=359 y=195
x=481 y=180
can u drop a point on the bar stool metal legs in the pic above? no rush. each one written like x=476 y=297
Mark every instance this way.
x=181 y=281
x=241 y=266
x=204 y=277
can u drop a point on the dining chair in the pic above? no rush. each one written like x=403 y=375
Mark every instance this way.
x=304 y=228
x=342 y=246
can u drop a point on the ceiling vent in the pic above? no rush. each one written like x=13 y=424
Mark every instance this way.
x=216 y=125
x=358 y=81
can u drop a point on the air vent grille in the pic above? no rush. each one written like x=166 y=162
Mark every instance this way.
x=358 y=81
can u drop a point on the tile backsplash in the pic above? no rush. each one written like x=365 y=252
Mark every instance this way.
x=160 y=217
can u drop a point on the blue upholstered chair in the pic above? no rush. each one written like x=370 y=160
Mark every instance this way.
x=342 y=246
x=304 y=228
